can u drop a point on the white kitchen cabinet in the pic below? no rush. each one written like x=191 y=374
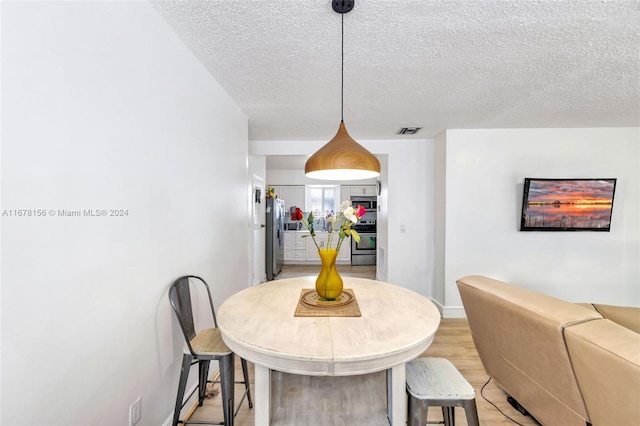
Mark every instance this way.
x=345 y=193
x=289 y=247
x=312 y=250
x=294 y=248
x=344 y=256
x=345 y=251
x=348 y=191
x=370 y=191
x=363 y=190
x=290 y=256
x=289 y=240
x=293 y=196
x=301 y=247
x=299 y=250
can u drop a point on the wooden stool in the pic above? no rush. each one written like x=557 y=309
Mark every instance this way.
x=436 y=381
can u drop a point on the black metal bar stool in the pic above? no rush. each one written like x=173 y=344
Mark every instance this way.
x=202 y=348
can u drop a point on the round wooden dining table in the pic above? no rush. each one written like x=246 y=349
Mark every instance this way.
x=395 y=326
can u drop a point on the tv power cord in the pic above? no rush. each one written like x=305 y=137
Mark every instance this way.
x=510 y=400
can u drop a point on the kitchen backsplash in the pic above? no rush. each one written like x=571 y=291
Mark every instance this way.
x=319 y=224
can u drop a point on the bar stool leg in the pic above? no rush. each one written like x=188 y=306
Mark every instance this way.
x=182 y=384
x=449 y=416
x=203 y=377
x=245 y=374
x=226 y=385
x=471 y=412
x=418 y=409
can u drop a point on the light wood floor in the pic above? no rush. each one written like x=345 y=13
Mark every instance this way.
x=452 y=341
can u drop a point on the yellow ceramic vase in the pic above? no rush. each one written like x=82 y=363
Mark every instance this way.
x=329 y=282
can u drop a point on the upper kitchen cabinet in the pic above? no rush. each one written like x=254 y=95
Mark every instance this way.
x=345 y=193
x=293 y=196
x=362 y=190
x=276 y=189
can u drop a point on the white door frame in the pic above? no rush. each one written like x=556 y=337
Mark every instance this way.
x=258 y=216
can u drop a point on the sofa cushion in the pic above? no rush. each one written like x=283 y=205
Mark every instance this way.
x=606 y=361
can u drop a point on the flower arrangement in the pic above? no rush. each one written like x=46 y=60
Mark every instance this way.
x=342 y=222
x=271 y=193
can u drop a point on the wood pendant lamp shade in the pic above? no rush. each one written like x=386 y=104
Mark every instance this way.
x=342 y=158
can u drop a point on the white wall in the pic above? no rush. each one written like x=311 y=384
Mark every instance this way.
x=410 y=249
x=382 y=222
x=439 y=201
x=104 y=108
x=485 y=170
x=258 y=172
x=407 y=187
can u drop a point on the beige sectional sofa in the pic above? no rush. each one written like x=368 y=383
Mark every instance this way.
x=565 y=363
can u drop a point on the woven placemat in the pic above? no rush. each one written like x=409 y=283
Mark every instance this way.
x=311 y=305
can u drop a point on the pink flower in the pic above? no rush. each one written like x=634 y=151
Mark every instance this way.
x=360 y=211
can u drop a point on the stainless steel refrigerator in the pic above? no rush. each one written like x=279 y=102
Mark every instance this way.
x=275 y=237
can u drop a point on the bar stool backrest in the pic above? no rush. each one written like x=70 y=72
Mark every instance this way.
x=180 y=299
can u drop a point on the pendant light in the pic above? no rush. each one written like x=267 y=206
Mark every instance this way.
x=342 y=158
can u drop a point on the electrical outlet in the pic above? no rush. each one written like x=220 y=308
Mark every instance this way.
x=135 y=412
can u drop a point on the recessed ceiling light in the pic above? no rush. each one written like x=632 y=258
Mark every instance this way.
x=408 y=130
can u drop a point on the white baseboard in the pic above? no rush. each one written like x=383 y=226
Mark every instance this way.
x=454 y=312
x=190 y=405
x=438 y=305
x=450 y=311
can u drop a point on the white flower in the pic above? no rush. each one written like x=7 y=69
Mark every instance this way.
x=350 y=214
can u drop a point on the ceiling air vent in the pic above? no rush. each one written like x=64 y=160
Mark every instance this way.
x=409 y=130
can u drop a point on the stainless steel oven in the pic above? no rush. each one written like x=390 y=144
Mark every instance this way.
x=369 y=203
x=364 y=252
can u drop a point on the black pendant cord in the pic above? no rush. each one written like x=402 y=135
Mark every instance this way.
x=342 y=76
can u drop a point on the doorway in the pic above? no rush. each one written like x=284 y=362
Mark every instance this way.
x=258 y=231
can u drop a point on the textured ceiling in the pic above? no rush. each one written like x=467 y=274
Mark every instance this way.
x=439 y=64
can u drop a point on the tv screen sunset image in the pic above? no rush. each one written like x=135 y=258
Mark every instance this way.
x=570 y=204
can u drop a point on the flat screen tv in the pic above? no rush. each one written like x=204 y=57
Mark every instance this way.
x=567 y=204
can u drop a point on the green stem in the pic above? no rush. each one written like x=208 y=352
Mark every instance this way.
x=311 y=233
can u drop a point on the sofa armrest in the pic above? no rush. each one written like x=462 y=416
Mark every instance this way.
x=519 y=337
x=606 y=361
x=625 y=316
